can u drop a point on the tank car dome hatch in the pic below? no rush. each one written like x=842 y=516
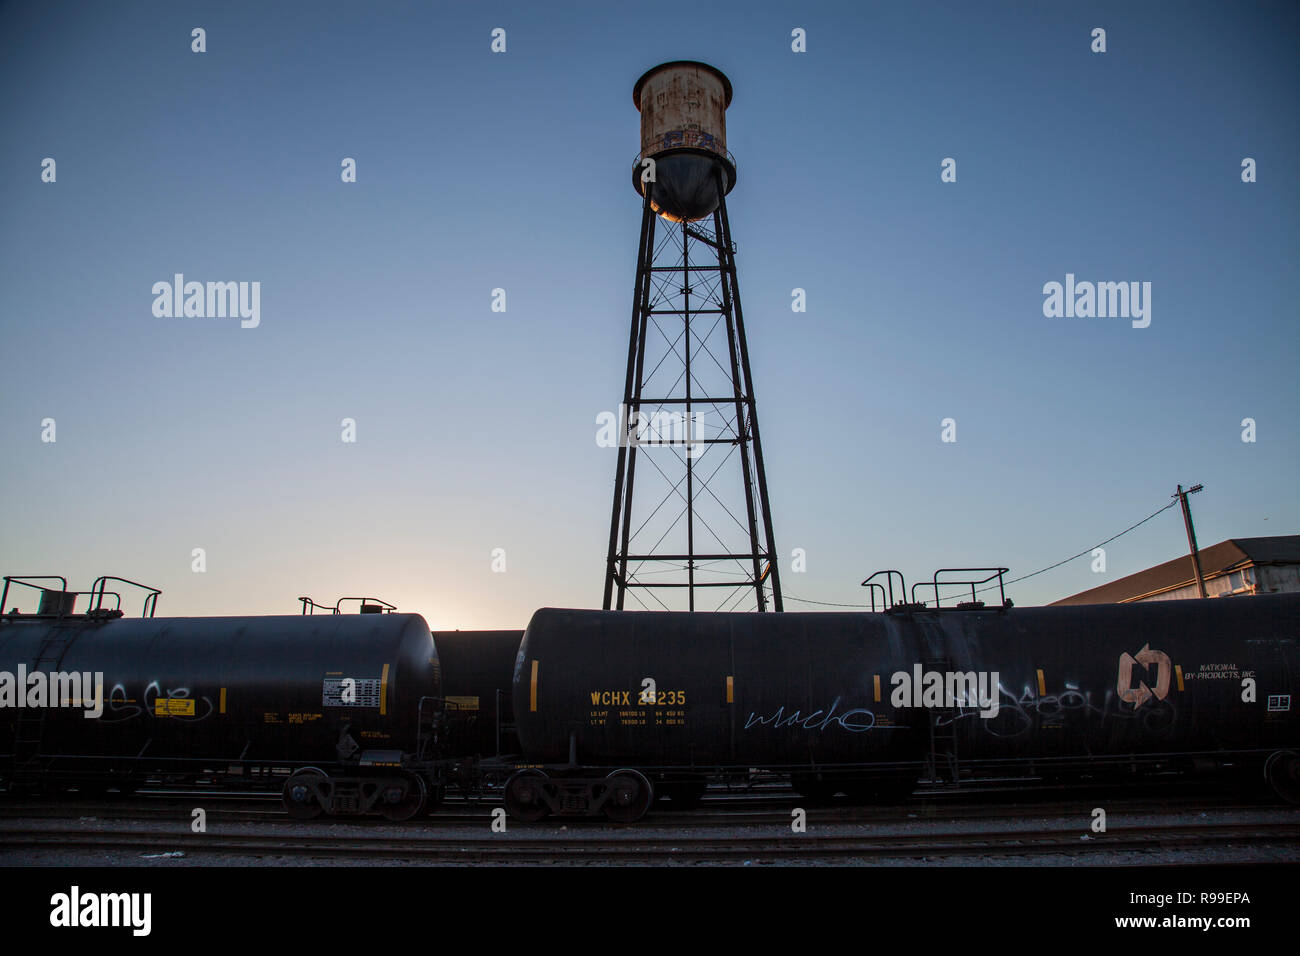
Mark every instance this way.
x=683 y=105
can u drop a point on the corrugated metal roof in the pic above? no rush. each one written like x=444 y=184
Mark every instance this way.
x=1215 y=560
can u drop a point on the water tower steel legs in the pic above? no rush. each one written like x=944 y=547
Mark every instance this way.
x=616 y=568
x=736 y=336
x=755 y=555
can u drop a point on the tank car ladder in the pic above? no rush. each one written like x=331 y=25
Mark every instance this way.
x=942 y=764
x=29 y=728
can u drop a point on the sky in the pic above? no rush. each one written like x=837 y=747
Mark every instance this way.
x=475 y=430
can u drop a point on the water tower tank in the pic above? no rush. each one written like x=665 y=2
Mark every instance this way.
x=683 y=108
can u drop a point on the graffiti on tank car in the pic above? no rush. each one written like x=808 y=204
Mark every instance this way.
x=1017 y=714
x=1023 y=709
x=174 y=704
x=856 y=721
x=119 y=705
x=1014 y=716
x=1030 y=706
x=1005 y=715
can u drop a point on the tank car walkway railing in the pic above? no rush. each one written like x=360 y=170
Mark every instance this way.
x=61 y=603
x=25 y=580
x=972 y=583
x=369 y=605
x=887 y=590
x=97 y=594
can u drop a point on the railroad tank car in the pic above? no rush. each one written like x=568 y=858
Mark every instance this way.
x=683 y=693
x=1159 y=681
x=617 y=709
x=348 y=703
x=850 y=701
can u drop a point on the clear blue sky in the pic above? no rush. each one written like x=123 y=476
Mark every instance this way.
x=476 y=430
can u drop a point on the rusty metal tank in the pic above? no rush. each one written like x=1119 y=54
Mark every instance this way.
x=683 y=107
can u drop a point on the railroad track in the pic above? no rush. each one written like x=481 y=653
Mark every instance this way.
x=481 y=815
x=721 y=809
x=756 y=844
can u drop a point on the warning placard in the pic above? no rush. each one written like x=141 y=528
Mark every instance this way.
x=173 y=707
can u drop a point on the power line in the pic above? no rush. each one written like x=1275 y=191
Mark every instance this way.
x=1024 y=577
x=1085 y=550
x=790 y=597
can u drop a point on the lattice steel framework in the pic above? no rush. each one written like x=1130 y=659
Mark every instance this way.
x=705 y=542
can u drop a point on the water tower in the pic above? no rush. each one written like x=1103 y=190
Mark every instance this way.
x=700 y=537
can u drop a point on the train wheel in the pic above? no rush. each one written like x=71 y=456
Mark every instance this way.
x=523 y=795
x=1282 y=771
x=628 y=797
x=303 y=798
x=402 y=803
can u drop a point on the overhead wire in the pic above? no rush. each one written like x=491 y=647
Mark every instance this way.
x=1023 y=577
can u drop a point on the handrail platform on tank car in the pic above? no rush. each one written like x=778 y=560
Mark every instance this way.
x=67 y=599
x=369 y=605
x=97 y=593
x=974 y=603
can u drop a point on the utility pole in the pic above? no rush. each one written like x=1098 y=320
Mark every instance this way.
x=1191 y=534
